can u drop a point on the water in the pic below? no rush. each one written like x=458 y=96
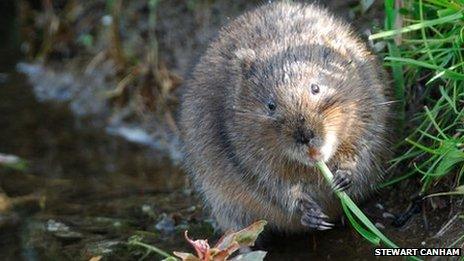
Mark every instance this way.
x=77 y=173
x=83 y=188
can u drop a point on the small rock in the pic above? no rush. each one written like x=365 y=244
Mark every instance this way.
x=147 y=208
x=107 y=20
x=379 y=225
x=9 y=159
x=191 y=209
x=61 y=230
x=379 y=206
x=54 y=226
x=388 y=215
x=187 y=192
x=166 y=224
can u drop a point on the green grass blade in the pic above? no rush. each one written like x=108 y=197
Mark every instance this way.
x=418 y=26
x=350 y=206
x=409 y=61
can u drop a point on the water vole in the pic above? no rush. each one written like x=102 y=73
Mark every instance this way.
x=280 y=82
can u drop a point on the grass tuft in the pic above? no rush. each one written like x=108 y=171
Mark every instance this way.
x=425 y=53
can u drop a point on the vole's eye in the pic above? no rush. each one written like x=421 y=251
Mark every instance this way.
x=315 y=88
x=271 y=105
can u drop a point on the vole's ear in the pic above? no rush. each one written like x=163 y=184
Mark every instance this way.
x=245 y=58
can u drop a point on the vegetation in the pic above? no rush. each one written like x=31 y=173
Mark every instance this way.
x=224 y=248
x=99 y=31
x=425 y=53
x=373 y=235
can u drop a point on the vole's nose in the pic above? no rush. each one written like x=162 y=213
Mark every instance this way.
x=304 y=136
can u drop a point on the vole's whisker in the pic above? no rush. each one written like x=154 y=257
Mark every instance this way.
x=388 y=102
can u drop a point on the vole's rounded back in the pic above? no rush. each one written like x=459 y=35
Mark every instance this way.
x=281 y=87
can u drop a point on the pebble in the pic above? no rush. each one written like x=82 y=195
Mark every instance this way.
x=61 y=230
x=388 y=215
x=379 y=225
x=107 y=20
x=166 y=224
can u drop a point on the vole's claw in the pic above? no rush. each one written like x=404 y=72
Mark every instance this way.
x=312 y=215
x=342 y=180
x=316 y=223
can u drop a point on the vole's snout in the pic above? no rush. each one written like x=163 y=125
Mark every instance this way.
x=303 y=135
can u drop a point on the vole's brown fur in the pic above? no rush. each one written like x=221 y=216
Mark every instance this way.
x=281 y=87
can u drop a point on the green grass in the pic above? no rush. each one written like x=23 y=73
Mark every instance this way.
x=356 y=217
x=372 y=234
x=425 y=41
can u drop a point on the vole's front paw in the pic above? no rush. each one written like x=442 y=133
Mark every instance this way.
x=341 y=180
x=312 y=215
